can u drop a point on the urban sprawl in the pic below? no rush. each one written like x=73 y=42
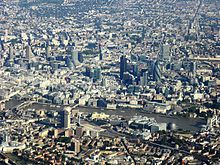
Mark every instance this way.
x=109 y=82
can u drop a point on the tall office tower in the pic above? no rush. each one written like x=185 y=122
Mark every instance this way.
x=75 y=57
x=65 y=117
x=48 y=52
x=69 y=63
x=1 y=45
x=104 y=82
x=100 y=52
x=135 y=70
x=6 y=35
x=100 y=56
x=123 y=66
x=194 y=69
x=88 y=71
x=97 y=74
x=28 y=52
x=128 y=78
x=80 y=57
x=144 y=79
x=156 y=71
x=165 y=52
x=11 y=52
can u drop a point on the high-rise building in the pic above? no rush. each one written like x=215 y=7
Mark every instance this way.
x=135 y=70
x=11 y=52
x=88 y=71
x=193 y=70
x=104 y=82
x=123 y=66
x=75 y=57
x=28 y=52
x=6 y=35
x=65 y=117
x=97 y=74
x=144 y=78
x=48 y=52
x=156 y=71
x=128 y=78
x=69 y=63
x=100 y=52
x=94 y=73
x=2 y=45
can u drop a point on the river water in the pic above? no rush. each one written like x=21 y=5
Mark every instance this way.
x=192 y=124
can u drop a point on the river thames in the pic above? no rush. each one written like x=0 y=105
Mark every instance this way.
x=191 y=124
